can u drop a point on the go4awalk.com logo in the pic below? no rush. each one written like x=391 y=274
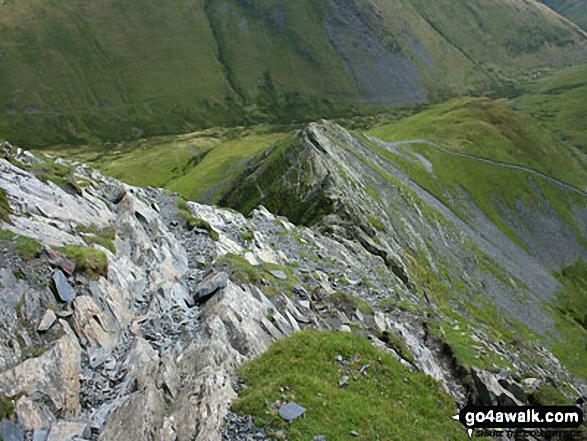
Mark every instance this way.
x=521 y=421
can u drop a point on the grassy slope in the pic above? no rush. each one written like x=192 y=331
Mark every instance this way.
x=489 y=129
x=388 y=402
x=574 y=10
x=571 y=319
x=119 y=69
x=558 y=100
x=107 y=67
x=206 y=181
x=196 y=165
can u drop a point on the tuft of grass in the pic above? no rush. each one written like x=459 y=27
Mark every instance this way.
x=547 y=395
x=88 y=260
x=388 y=401
x=376 y=222
x=247 y=235
x=192 y=222
x=5 y=210
x=351 y=302
x=93 y=235
x=26 y=247
x=6 y=408
x=240 y=270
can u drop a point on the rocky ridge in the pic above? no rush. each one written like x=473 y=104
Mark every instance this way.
x=148 y=349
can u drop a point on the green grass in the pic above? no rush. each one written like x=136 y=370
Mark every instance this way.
x=192 y=222
x=79 y=73
x=239 y=269
x=351 y=302
x=26 y=247
x=388 y=402
x=546 y=395
x=571 y=319
x=93 y=235
x=6 y=408
x=557 y=100
x=489 y=129
x=375 y=222
x=198 y=165
x=5 y=210
x=207 y=180
x=88 y=260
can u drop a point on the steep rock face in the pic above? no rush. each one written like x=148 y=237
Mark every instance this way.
x=148 y=348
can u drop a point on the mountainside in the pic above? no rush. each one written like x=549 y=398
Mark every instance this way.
x=487 y=229
x=73 y=72
x=574 y=10
x=126 y=311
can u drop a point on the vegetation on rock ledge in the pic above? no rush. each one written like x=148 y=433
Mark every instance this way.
x=387 y=398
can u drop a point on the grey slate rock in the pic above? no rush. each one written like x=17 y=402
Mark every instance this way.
x=40 y=435
x=291 y=411
x=64 y=289
x=278 y=274
x=343 y=381
x=210 y=285
x=10 y=431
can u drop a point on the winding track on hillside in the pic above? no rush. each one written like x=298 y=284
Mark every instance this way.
x=392 y=146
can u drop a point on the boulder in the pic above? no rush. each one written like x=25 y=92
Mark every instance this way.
x=140 y=417
x=489 y=392
x=65 y=431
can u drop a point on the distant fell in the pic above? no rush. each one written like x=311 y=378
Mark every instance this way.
x=77 y=72
x=574 y=10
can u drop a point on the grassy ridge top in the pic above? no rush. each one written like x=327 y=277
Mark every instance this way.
x=73 y=72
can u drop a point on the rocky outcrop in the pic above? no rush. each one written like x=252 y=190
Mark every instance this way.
x=148 y=349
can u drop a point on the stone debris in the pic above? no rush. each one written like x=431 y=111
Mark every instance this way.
x=291 y=411
x=489 y=391
x=47 y=321
x=65 y=431
x=64 y=289
x=343 y=381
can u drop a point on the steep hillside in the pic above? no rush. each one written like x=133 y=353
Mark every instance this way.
x=73 y=72
x=574 y=10
x=427 y=209
x=557 y=100
x=128 y=313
